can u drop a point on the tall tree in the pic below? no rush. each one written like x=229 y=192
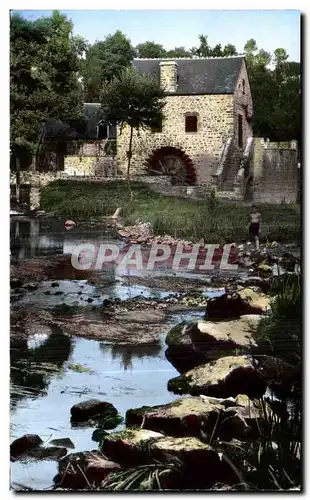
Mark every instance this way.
x=179 y=52
x=135 y=100
x=275 y=85
x=150 y=50
x=205 y=50
x=104 y=60
x=44 y=78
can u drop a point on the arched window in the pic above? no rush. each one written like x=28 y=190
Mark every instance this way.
x=191 y=122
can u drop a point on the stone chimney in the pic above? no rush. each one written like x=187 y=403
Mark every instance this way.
x=169 y=75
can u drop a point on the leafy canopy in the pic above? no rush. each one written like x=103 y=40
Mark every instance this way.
x=134 y=99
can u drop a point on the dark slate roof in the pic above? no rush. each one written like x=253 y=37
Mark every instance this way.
x=198 y=76
x=93 y=114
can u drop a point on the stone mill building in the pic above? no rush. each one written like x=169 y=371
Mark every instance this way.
x=207 y=124
x=205 y=142
x=206 y=138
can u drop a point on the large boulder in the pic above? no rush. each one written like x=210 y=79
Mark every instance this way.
x=225 y=377
x=244 y=301
x=94 y=409
x=126 y=447
x=256 y=298
x=30 y=446
x=24 y=444
x=194 y=344
x=199 y=465
x=84 y=470
x=224 y=418
x=179 y=418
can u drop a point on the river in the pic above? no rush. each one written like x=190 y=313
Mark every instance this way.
x=44 y=383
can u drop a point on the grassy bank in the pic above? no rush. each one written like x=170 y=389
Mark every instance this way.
x=211 y=219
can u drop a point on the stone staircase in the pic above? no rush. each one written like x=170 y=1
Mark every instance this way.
x=234 y=170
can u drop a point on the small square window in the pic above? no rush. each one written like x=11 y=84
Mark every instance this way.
x=191 y=124
x=157 y=129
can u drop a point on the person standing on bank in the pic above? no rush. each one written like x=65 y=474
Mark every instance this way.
x=255 y=220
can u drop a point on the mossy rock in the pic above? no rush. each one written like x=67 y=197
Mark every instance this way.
x=130 y=446
x=176 y=335
x=225 y=377
x=193 y=344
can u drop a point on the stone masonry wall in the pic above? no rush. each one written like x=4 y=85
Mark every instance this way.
x=90 y=165
x=204 y=147
x=275 y=172
x=243 y=105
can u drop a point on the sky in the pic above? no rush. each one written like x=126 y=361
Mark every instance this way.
x=174 y=28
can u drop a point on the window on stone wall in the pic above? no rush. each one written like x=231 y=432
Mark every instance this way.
x=191 y=123
x=157 y=129
x=240 y=131
x=243 y=86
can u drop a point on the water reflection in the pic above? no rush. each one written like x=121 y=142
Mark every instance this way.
x=34 y=362
x=126 y=353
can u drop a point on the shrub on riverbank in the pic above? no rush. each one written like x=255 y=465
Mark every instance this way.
x=279 y=334
x=218 y=222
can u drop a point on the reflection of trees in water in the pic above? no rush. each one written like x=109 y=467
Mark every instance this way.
x=32 y=369
x=126 y=353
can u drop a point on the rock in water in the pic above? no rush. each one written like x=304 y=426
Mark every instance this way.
x=92 y=408
x=25 y=443
x=225 y=377
x=79 y=470
x=194 y=344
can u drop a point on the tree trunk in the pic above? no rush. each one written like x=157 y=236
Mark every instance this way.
x=129 y=155
x=17 y=163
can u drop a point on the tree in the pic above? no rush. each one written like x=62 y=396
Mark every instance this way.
x=150 y=50
x=205 y=50
x=179 y=52
x=44 y=79
x=275 y=86
x=104 y=60
x=135 y=100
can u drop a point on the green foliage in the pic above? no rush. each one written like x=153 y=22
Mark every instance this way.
x=181 y=218
x=275 y=93
x=44 y=68
x=271 y=462
x=150 y=50
x=205 y=50
x=105 y=60
x=132 y=99
x=280 y=333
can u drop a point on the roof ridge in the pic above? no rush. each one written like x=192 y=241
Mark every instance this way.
x=195 y=58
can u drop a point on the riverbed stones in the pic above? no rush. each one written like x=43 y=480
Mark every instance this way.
x=179 y=418
x=84 y=470
x=54 y=453
x=244 y=302
x=126 y=447
x=226 y=418
x=132 y=327
x=92 y=408
x=23 y=444
x=256 y=298
x=193 y=344
x=62 y=442
x=224 y=377
x=198 y=464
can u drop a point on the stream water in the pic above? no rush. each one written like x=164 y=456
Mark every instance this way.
x=44 y=386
